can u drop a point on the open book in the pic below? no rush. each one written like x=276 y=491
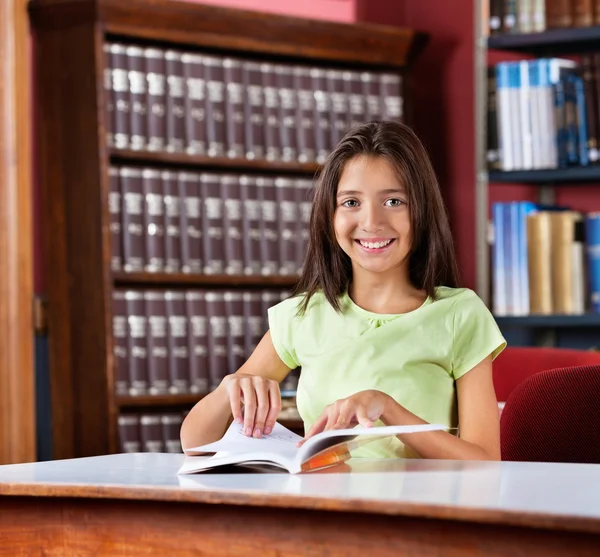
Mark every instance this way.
x=279 y=448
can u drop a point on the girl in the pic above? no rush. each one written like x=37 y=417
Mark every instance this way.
x=382 y=332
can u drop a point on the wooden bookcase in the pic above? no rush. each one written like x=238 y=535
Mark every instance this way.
x=74 y=161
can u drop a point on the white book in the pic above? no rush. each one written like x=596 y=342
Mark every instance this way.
x=280 y=447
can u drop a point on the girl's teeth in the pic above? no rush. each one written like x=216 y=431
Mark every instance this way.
x=374 y=245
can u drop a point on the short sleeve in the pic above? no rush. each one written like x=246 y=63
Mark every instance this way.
x=283 y=319
x=476 y=334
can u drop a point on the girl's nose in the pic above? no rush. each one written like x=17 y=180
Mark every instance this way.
x=371 y=219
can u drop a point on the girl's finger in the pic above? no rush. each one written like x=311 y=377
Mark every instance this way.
x=262 y=408
x=346 y=417
x=362 y=417
x=274 y=407
x=249 y=405
x=317 y=427
x=332 y=417
x=235 y=401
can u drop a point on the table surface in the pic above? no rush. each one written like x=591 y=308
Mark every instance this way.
x=565 y=496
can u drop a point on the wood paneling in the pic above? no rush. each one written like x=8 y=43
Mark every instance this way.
x=17 y=421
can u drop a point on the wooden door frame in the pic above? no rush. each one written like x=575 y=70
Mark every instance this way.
x=17 y=379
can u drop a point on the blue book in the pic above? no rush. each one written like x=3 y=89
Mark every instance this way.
x=581 y=109
x=498 y=259
x=592 y=233
x=524 y=208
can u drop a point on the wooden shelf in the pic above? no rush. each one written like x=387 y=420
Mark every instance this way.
x=181 y=280
x=550 y=321
x=551 y=41
x=579 y=174
x=157 y=400
x=156 y=158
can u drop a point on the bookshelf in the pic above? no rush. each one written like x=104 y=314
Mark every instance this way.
x=562 y=176
x=78 y=158
x=565 y=41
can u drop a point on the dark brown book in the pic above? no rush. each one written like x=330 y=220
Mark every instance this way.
x=212 y=224
x=151 y=433
x=492 y=150
x=120 y=343
x=172 y=221
x=271 y=113
x=137 y=98
x=216 y=134
x=130 y=440
x=372 y=94
x=254 y=110
x=120 y=89
x=132 y=192
x=179 y=359
x=109 y=97
x=175 y=117
x=231 y=192
x=323 y=141
x=114 y=207
x=591 y=107
x=304 y=192
x=357 y=103
x=251 y=227
x=558 y=14
x=305 y=114
x=236 y=338
x=391 y=96
x=269 y=298
x=171 y=424
x=269 y=245
x=510 y=18
x=496 y=17
x=287 y=218
x=583 y=13
x=195 y=101
x=198 y=341
x=191 y=222
x=156 y=100
x=158 y=345
x=235 y=118
x=288 y=100
x=137 y=351
x=217 y=337
x=596 y=10
x=254 y=329
x=339 y=104
x=154 y=220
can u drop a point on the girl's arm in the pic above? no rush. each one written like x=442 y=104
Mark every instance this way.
x=255 y=384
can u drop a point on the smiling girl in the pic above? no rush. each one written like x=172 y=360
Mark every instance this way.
x=377 y=323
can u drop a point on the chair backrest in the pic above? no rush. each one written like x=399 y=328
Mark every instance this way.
x=515 y=364
x=554 y=416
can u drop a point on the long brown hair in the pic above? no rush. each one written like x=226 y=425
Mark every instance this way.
x=432 y=261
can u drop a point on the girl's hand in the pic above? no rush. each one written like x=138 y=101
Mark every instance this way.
x=261 y=399
x=364 y=408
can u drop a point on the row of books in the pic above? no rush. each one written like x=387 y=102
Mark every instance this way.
x=182 y=342
x=174 y=101
x=546 y=260
x=207 y=223
x=543 y=114
x=532 y=16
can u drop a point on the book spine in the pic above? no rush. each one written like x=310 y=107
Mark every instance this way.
x=254 y=329
x=372 y=94
x=137 y=95
x=172 y=210
x=191 y=222
x=304 y=193
x=271 y=113
x=558 y=14
x=217 y=337
x=129 y=433
x=136 y=346
x=596 y=10
x=151 y=433
x=323 y=141
x=120 y=88
x=158 y=349
x=212 y=221
x=583 y=13
x=492 y=154
x=251 y=219
x=357 y=104
x=592 y=233
x=339 y=105
x=175 y=117
x=391 y=96
x=198 y=341
x=154 y=221
x=114 y=207
x=305 y=114
x=156 y=100
x=195 y=102
x=287 y=220
x=254 y=111
x=236 y=339
x=495 y=21
x=132 y=188
x=109 y=97
x=511 y=22
x=590 y=95
x=288 y=101
x=170 y=425
x=234 y=108
x=268 y=226
x=179 y=360
x=232 y=224
x=215 y=106
x=268 y=299
x=120 y=343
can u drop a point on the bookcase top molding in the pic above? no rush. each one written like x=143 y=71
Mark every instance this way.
x=250 y=32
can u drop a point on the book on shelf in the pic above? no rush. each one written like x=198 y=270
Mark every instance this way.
x=280 y=448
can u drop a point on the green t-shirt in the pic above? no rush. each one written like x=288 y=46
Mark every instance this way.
x=414 y=357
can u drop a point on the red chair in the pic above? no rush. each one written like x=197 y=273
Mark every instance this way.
x=515 y=364
x=554 y=416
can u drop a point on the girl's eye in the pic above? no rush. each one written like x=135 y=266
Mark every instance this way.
x=351 y=203
x=394 y=202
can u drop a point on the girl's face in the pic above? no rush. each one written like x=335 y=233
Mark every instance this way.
x=372 y=220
